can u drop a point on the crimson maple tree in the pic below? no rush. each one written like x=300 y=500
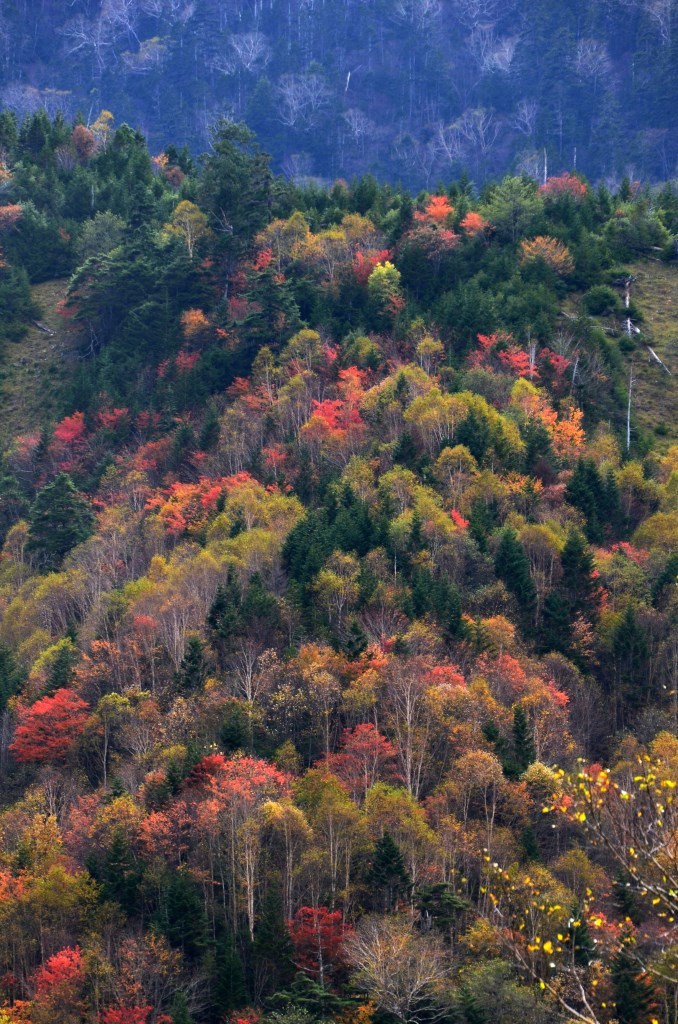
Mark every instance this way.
x=48 y=729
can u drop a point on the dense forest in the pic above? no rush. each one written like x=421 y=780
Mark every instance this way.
x=409 y=90
x=338 y=649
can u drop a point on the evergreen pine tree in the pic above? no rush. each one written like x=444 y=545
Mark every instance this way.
x=194 y=667
x=61 y=669
x=306 y=993
x=182 y=919
x=630 y=652
x=209 y=432
x=184 y=444
x=666 y=581
x=59 y=519
x=611 y=509
x=224 y=618
x=482 y=520
x=356 y=640
x=512 y=566
x=523 y=743
x=556 y=625
x=179 y=1011
x=474 y=433
x=528 y=841
x=578 y=584
x=501 y=746
x=586 y=492
x=625 y=899
x=439 y=907
x=10 y=676
x=633 y=989
x=387 y=876
x=582 y=944
x=120 y=875
x=416 y=541
x=272 y=947
x=229 y=988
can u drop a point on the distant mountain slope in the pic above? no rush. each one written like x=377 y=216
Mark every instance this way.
x=35 y=369
x=655 y=292
x=412 y=90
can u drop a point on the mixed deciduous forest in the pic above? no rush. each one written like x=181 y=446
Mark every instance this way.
x=410 y=90
x=338 y=650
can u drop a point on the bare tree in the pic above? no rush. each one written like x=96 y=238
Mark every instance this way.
x=525 y=117
x=660 y=12
x=120 y=16
x=302 y=98
x=151 y=54
x=481 y=44
x=505 y=52
x=170 y=10
x=402 y=971
x=359 y=125
x=476 y=12
x=449 y=142
x=90 y=38
x=530 y=163
x=416 y=155
x=478 y=130
x=26 y=99
x=420 y=13
x=591 y=60
x=155 y=8
x=251 y=50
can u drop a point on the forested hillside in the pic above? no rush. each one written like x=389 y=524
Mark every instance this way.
x=338 y=651
x=410 y=90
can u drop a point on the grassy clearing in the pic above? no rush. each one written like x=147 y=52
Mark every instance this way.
x=655 y=405
x=33 y=371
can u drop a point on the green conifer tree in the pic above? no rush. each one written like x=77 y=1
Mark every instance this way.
x=272 y=947
x=11 y=676
x=556 y=626
x=194 y=667
x=179 y=1012
x=229 y=991
x=578 y=584
x=59 y=519
x=633 y=989
x=387 y=876
x=523 y=743
x=512 y=566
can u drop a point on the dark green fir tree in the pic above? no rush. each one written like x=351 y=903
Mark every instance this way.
x=633 y=988
x=194 y=667
x=523 y=742
x=387 y=877
x=59 y=519
x=512 y=566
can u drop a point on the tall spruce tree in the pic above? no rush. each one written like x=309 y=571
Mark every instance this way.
x=59 y=518
x=512 y=566
x=578 y=584
x=387 y=876
x=523 y=743
x=194 y=666
x=272 y=947
x=634 y=993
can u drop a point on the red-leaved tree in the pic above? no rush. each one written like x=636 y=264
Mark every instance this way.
x=59 y=988
x=317 y=934
x=365 y=757
x=48 y=729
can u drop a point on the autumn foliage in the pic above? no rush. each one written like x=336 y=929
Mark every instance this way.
x=337 y=613
x=48 y=729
